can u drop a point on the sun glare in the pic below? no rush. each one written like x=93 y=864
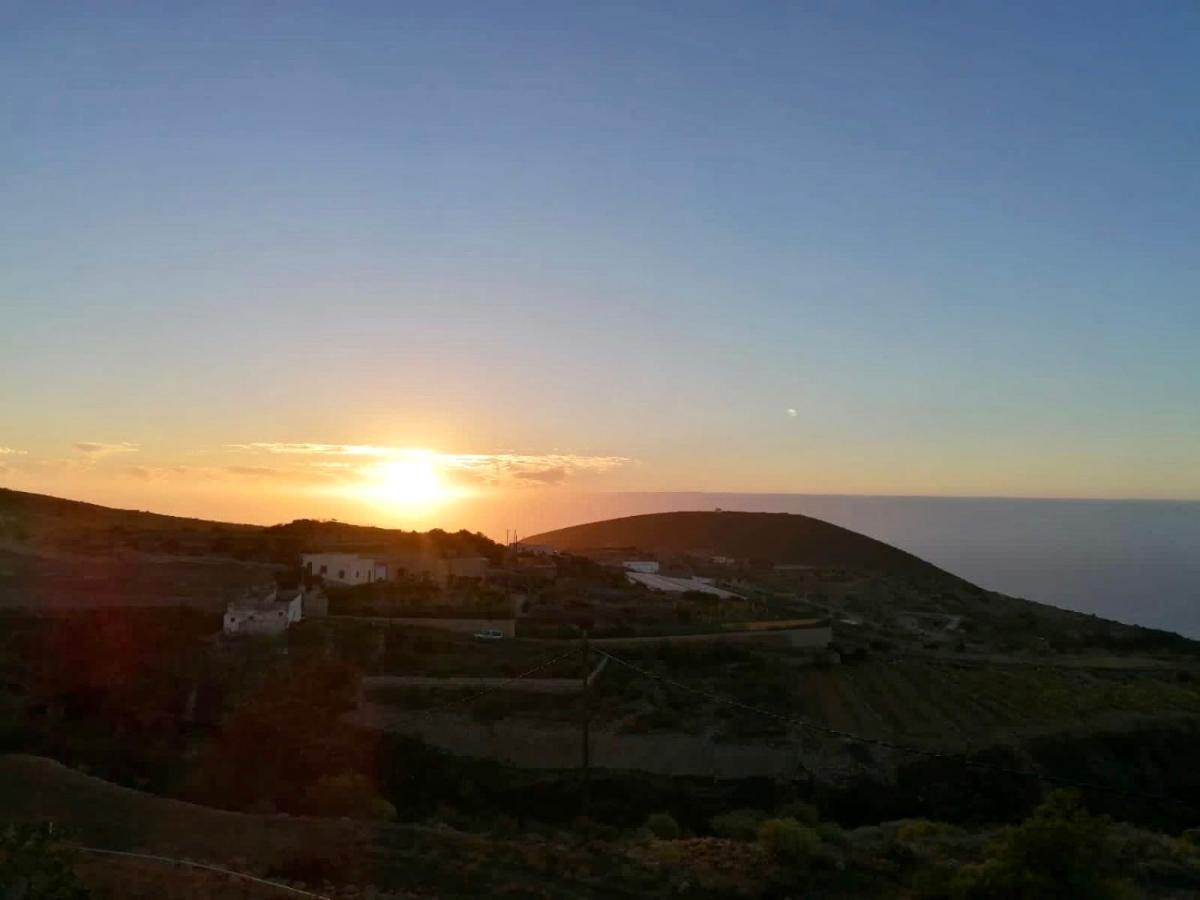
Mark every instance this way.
x=414 y=481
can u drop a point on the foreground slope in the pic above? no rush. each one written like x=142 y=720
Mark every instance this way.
x=98 y=813
x=340 y=857
x=727 y=857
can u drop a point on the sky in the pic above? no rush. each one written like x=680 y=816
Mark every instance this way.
x=281 y=259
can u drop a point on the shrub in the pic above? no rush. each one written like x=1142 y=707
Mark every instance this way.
x=936 y=881
x=788 y=842
x=663 y=826
x=917 y=831
x=1059 y=851
x=738 y=824
x=802 y=812
x=590 y=829
x=35 y=866
x=832 y=833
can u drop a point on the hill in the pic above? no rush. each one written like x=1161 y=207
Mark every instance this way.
x=780 y=538
x=879 y=592
x=58 y=554
x=37 y=522
x=39 y=518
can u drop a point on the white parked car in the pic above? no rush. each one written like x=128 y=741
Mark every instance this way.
x=489 y=634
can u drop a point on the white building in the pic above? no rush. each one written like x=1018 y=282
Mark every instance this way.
x=344 y=568
x=353 y=568
x=645 y=566
x=271 y=613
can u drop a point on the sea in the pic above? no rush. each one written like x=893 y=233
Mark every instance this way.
x=1135 y=561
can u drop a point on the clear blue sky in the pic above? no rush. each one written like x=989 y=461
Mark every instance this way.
x=961 y=241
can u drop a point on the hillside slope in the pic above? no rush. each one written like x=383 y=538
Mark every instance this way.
x=339 y=857
x=37 y=522
x=784 y=538
x=875 y=583
x=39 y=517
x=61 y=554
x=99 y=813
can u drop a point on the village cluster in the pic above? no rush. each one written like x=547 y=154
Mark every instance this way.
x=525 y=571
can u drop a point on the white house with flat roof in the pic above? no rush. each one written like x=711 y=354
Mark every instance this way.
x=344 y=568
x=354 y=568
x=271 y=613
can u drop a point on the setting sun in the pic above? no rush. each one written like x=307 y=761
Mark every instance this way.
x=413 y=481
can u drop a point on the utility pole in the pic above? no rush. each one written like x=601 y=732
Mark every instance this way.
x=585 y=691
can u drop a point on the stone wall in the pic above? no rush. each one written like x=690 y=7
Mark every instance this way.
x=507 y=627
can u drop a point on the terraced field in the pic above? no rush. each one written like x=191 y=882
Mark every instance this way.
x=931 y=700
x=924 y=700
x=706 y=695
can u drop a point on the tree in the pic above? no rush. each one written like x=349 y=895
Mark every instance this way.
x=284 y=738
x=663 y=826
x=35 y=866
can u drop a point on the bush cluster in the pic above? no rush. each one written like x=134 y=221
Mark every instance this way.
x=663 y=826
x=788 y=842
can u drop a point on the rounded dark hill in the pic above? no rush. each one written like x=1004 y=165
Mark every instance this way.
x=780 y=538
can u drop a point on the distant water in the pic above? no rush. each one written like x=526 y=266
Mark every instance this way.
x=1129 y=560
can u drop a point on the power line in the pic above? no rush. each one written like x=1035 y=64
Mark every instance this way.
x=198 y=865
x=878 y=742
